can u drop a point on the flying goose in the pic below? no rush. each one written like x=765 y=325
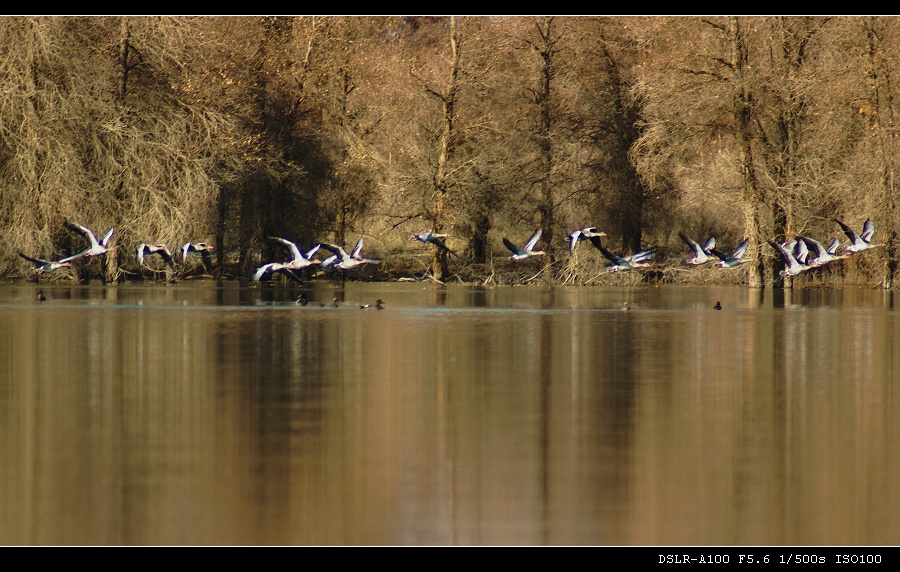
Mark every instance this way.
x=792 y=266
x=702 y=254
x=203 y=248
x=434 y=238
x=622 y=263
x=344 y=261
x=149 y=249
x=822 y=254
x=42 y=266
x=528 y=250
x=300 y=259
x=94 y=248
x=580 y=234
x=734 y=259
x=859 y=242
x=276 y=267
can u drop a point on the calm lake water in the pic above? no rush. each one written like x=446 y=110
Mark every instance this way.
x=200 y=414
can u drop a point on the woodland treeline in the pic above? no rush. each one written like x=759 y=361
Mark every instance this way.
x=229 y=130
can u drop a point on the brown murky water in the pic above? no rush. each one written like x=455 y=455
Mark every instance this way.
x=203 y=415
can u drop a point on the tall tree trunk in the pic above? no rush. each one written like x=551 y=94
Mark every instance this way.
x=781 y=226
x=546 y=209
x=124 y=48
x=109 y=267
x=482 y=202
x=882 y=106
x=441 y=180
x=794 y=35
x=223 y=204
x=481 y=226
x=753 y=198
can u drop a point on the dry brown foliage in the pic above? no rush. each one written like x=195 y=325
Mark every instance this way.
x=230 y=130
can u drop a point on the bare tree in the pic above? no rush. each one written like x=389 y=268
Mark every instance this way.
x=611 y=126
x=744 y=115
x=543 y=41
x=77 y=154
x=447 y=98
x=228 y=130
x=707 y=99
x=881 y=114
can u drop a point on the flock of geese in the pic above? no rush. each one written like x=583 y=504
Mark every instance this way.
x=340 y=259
x=96 y=248
x=800 y=254
x=618 y=263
